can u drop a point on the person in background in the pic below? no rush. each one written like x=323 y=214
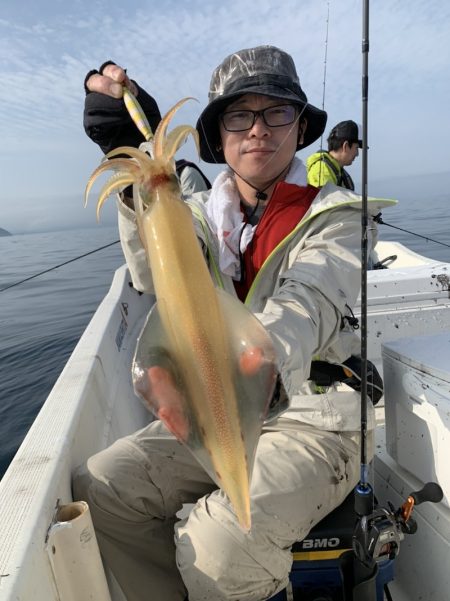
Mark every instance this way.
x=107 y=122
x=344 y=143
x=292 y=254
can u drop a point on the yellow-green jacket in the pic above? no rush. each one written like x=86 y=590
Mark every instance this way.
x=323 y=168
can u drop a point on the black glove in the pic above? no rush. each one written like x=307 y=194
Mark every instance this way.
x=107 y=122
x=325 y=374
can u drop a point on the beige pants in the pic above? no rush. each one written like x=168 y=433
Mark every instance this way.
x=136 y=486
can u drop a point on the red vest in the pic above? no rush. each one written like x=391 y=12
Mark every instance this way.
x=285 y=210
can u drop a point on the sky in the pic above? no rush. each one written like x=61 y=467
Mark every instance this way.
x=171 y=48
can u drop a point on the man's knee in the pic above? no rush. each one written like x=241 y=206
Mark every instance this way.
x=80 y=483
x=113 y=481
x=91 y=484
x=218 y=560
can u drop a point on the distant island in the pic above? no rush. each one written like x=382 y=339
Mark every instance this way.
x=4 y=232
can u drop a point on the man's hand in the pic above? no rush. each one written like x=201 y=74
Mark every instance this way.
x=106 y=119
x=110 y=82
x=251 y=361
x=163 y=396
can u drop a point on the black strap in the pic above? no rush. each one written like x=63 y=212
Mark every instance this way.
x=346 y=180
x=325 y=158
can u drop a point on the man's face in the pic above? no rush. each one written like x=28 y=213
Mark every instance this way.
x=260 y=153
x=351 y=152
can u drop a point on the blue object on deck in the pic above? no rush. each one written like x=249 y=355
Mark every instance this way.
x=315 y=573
x=321 y=579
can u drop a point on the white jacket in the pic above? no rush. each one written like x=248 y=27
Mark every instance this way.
x=301 y=294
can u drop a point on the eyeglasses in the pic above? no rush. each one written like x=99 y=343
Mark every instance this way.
x=273 y=116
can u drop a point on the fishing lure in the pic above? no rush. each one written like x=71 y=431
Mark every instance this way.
x=203 y=363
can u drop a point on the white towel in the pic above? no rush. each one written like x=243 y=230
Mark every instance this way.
x=224 y=212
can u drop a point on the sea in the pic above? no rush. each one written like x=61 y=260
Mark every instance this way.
x=42 y=318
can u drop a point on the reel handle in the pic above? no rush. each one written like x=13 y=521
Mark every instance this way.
x=431 y=492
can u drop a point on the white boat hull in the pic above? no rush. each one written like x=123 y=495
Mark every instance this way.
x=93 y=403
x=422 y=568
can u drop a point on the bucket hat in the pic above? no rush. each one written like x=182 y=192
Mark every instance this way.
x=265 y=70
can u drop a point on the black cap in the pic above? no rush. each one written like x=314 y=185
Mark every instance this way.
x=347 y=131
x=265 y=70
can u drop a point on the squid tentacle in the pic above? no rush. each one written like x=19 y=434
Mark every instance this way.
x=163 y=125
x=118 y=165
x=177 y=138
x=116 y=183
x=141 y=157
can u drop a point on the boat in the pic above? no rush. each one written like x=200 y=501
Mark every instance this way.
x=93 y=403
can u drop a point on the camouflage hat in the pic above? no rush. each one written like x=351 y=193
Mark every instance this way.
x=265 y=70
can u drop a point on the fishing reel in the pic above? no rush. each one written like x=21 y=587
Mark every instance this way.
x=378 y=534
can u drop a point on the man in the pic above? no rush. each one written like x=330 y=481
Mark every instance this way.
x=293 y=256
x=344 y=142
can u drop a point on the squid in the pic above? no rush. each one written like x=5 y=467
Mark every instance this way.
x=204 y=364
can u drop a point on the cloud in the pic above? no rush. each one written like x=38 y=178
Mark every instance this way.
x=171 y=48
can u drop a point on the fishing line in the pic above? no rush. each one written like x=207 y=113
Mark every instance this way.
x=260 y=193
x=141 y=121
x=379 y=220
x=91 y=252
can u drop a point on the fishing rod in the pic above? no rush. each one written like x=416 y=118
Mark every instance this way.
x=324 y=78
x=325 y=62
x=364 y=492
x=358 y=569
x=31 y=277
x=379 y=529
